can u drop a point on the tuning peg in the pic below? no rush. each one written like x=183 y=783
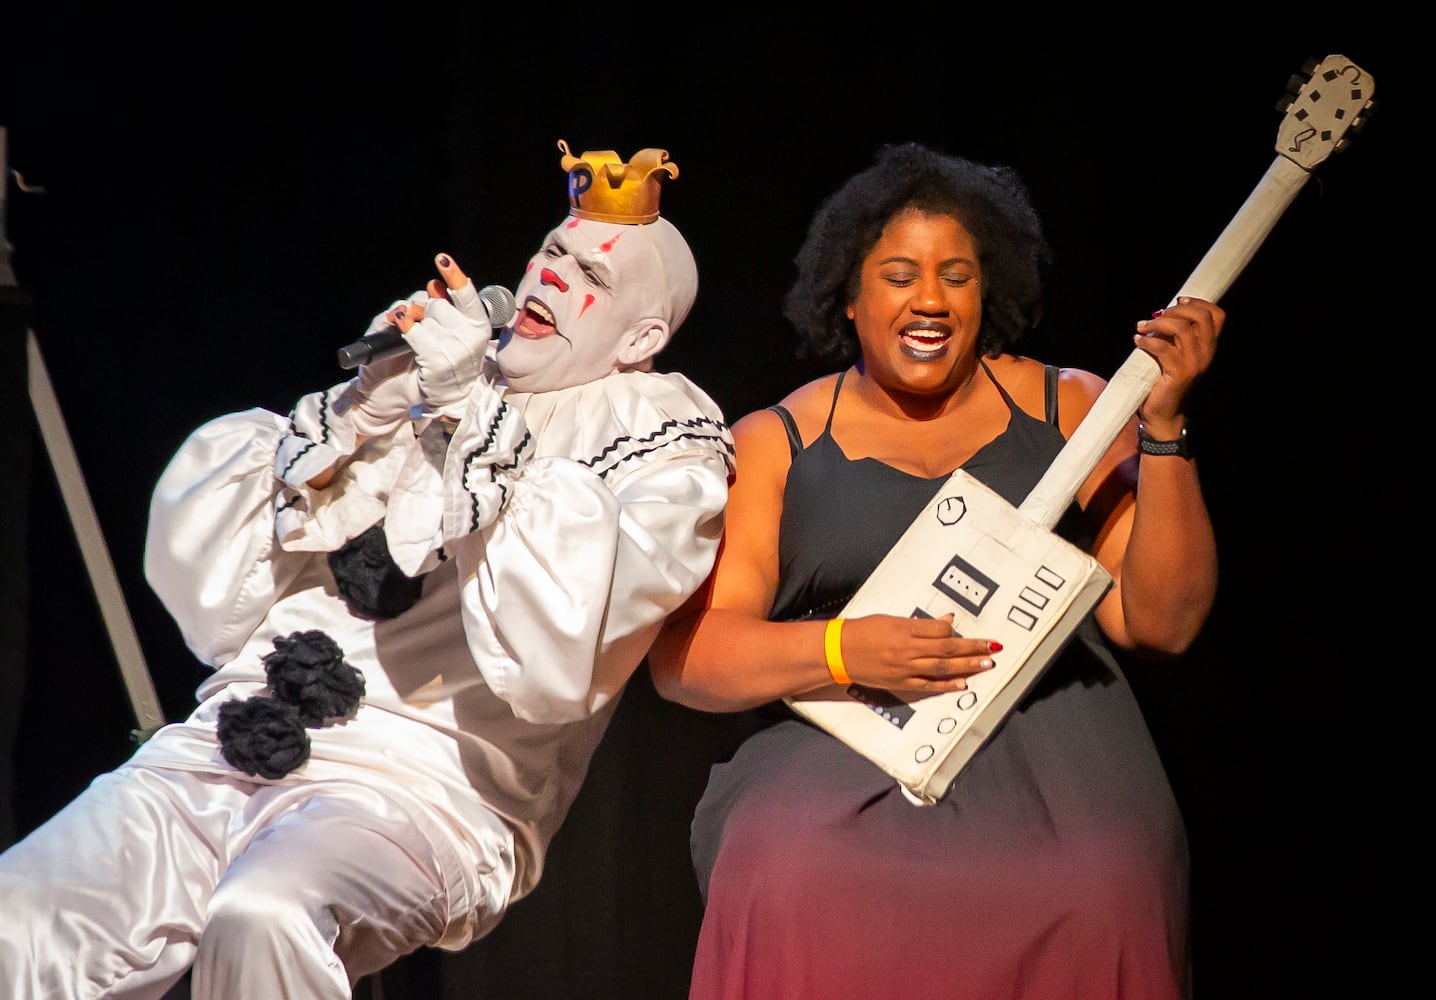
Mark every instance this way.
x=1293 y=87
x=1357 y=124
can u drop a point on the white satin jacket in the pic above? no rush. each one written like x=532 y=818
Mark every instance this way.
x=556 y=531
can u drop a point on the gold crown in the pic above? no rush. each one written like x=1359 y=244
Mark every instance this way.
x=604 y=188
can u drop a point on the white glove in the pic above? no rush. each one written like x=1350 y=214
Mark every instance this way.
x=383 y=393
x=466 y=299
x=449 y=345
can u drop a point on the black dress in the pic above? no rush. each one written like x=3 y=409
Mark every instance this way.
x=1056 y=865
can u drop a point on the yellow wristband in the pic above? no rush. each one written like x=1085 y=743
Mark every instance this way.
x=833 y=650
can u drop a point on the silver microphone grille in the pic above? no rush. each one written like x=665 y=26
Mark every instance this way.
x=499 y=304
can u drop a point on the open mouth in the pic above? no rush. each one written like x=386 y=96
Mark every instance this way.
x=536 y=321
x=925 y=341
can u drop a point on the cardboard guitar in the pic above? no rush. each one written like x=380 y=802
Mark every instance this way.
x=1000 y=570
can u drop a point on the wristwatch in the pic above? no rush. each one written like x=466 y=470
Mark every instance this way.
x=1151 y=446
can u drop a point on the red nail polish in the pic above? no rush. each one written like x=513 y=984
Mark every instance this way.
x=994 y=646
x=1157 y=312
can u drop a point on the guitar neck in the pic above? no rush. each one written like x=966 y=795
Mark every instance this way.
x=1124 y=393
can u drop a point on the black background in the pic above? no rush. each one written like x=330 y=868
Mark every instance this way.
x=225 y=203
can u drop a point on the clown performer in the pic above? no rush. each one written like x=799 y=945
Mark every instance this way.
x=422 y=593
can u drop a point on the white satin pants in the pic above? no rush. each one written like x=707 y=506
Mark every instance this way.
x=273 y=891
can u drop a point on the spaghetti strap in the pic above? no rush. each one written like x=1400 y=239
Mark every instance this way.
x=828 y=428
x=1049 y=379
x=993 y=379
x=795 y=442
x=1049 y=386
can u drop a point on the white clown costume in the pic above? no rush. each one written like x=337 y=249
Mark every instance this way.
x=551 y=533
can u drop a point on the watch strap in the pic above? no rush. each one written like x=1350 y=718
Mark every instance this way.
x=1149 y=445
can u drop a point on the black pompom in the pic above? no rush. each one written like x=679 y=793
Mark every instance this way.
x=307 y=670
x=369 y=580
x=262 y=736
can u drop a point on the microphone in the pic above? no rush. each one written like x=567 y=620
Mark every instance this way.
x=498 y=303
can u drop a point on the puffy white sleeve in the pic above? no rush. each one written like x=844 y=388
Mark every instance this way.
x=577 y=520
x=210 y=551
x=611 y=525
x=216 y=551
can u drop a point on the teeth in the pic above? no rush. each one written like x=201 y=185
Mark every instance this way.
x=541 y=309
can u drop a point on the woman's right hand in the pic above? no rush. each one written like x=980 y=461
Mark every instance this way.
x=913 y=654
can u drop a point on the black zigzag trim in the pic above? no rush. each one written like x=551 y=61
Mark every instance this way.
x=663 y=431
x=294 y=430
x=662 y=436
x=324 y=417
x=640 y=452
x=494 y=426
x=295 y=461
x=494 y=470
x=324 y=411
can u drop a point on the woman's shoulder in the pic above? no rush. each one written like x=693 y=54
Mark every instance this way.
x=1025 y=379
x=808 y=405
x=763 y=449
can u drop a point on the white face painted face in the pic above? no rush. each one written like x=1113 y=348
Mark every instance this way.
x=591 y=302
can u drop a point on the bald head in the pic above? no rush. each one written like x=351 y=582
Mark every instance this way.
x=598 y=297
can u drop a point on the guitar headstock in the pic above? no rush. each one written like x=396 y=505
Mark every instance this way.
x=1324 y=103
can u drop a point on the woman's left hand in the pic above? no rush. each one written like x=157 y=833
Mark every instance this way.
x=1182 y=339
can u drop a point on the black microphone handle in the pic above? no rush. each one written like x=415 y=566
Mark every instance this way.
x=497 y=301
x=373 y=347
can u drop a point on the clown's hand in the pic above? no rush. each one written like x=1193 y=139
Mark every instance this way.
x=449 y=345
x=458 y=289
x=384 y=390
x=383 y=393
